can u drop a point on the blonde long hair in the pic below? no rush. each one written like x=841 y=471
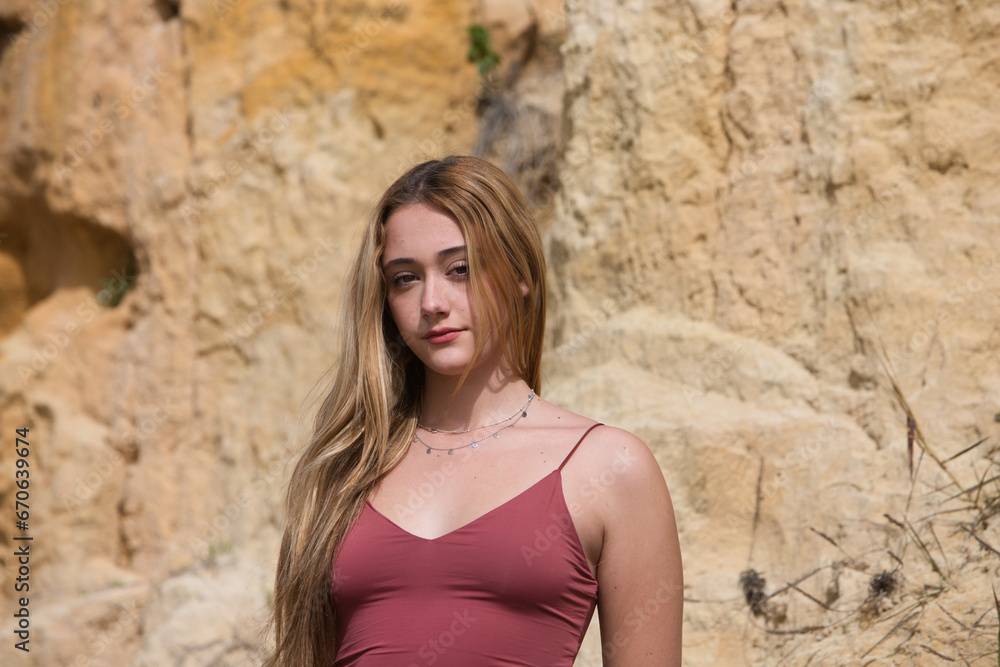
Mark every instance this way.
x=367 y=420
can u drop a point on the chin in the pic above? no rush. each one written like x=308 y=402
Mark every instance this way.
x=447 y=364
x=445 y=369
x=452 y=361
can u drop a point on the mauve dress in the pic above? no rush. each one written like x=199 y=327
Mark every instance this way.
x=511 y=587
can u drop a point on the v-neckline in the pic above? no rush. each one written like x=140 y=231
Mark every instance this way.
x=479 y=518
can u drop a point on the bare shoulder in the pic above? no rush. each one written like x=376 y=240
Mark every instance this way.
x=613 y=445
x=603 y=445
x=640 y=565
x=630 y=474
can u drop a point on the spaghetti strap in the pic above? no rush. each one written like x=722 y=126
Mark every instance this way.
x=592 y=427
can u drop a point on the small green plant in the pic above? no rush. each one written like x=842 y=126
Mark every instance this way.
x=216 y=549
x=481 y=51
x=113 y=289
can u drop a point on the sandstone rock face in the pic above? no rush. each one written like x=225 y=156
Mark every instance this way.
x=763 y=203
x=181 y=183
x=752 y=210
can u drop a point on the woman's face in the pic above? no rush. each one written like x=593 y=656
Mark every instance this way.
x=426 y=270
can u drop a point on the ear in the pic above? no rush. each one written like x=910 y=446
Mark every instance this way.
x=524 y=288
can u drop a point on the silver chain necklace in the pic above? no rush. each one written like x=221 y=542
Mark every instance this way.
x=523 y=412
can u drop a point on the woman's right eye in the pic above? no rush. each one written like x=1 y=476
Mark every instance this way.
x=401 y=279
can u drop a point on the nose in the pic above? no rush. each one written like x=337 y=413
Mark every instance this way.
x=434 y=299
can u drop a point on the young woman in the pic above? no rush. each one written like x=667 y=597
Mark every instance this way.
x=443 y=512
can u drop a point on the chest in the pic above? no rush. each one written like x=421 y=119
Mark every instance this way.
x=444 y=496
x=515 y=572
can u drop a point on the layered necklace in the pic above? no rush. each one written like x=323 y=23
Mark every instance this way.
x=521 y=412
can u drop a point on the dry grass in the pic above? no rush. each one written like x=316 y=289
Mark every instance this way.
x=921 y=577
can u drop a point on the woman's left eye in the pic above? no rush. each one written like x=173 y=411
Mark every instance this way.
x=461 y=269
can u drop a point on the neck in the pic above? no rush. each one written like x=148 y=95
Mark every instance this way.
x=488 y=393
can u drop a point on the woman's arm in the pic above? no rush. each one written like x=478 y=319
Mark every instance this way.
x=640 y=584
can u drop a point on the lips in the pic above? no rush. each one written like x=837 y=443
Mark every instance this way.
x=442 y=335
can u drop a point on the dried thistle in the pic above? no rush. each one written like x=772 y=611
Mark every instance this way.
x=753 y=591
x=880 y=588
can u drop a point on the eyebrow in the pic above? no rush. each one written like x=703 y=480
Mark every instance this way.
x=409 y=260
